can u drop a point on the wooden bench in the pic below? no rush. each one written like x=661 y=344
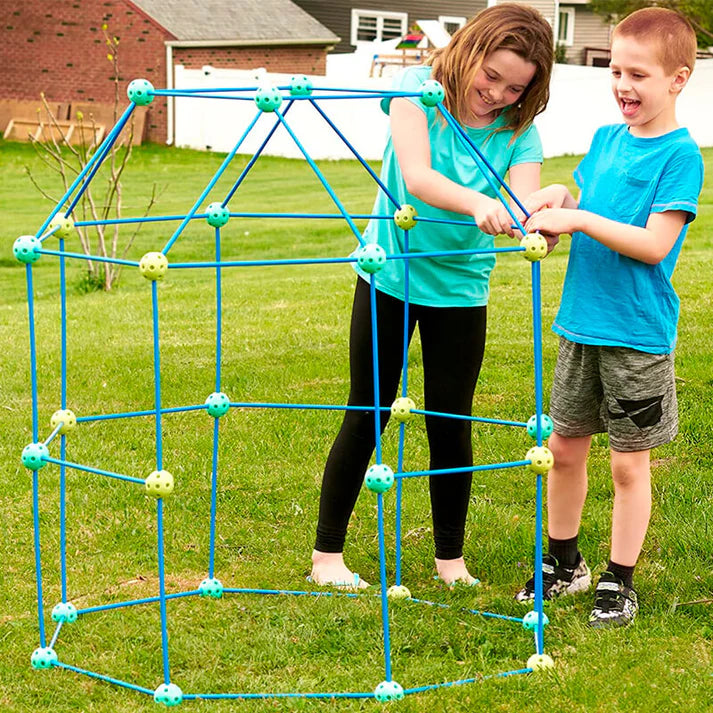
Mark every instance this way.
x=74 y=133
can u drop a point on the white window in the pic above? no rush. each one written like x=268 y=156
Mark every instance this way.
x=370 y=25
x=450 y=23
x=565 y=33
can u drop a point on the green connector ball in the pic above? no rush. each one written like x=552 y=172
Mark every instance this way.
x=541 y=459
x=27 y=249
x=44 y=657
x=431 y=92
x=64 y=612
x=217 y=215
x=546 y=426
x=300 y=86
x=153 y=266
x=33 y=455
x=401 y=409
x=218 y=404
x=535 y=247
x=379 y=478
x=64 y=417
x=388 y=691
x=211 y=588
x=268 y=98
x=405 y=217
x=529 y=621
x=169 y=694
x=371 y=257
x=64 y=226
x=140 y=91
x=159 y=484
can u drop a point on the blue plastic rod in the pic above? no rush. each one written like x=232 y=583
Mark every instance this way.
x=33 y=351
x=322 y=179
x=135 y=602
x=101 y=677
x=262 y=263
x=157 y=374
x=131 y=414
x=63 y=439
x=97 y=471
x=462 y=417
x=95 y=258
x=461 y=682
x=256 y=696
x=223 y=166
x=464 y=469
x=382 y=579
x=213 y=499
x=38 y=559
x=162 y=591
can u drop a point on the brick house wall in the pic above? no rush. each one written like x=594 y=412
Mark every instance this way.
x=58 y=47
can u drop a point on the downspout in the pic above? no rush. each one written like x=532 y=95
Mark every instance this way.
x=170 y=105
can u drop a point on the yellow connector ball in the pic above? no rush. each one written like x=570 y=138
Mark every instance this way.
x=535 y=247
x=66 y=418
x=153 y=266
x=541 y=459
x=65 y=226
x=398 y=591
x=159 y=483
x=539 y=662
x=401 y=409
x=405 y=217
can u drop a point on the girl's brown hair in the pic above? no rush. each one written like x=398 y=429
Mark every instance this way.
x=509 y=26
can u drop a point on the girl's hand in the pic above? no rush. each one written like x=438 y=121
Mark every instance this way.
x=491 y=216
x=554 y=196
x=554 y=220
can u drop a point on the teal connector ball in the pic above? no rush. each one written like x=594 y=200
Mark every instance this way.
x=140 y=91
x=211 y=588
x=268 y=98
x=388 y=691
x=431 y=92
x=27 y=249
x=217 y=215
x=64 y=612
x=33 y=455
x=371 y=257
x=169 y=694
x=218 y=404
x=529 y=621
x=300 y=86
x=44 y=657
x=379 y=478
x=546 y=426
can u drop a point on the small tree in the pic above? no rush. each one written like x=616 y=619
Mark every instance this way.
x=68 y=159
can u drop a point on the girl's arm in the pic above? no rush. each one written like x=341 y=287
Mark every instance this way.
x=409 y=132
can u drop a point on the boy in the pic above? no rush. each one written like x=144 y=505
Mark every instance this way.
x=639 y=186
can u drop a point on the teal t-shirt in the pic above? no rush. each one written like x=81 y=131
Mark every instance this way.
x=452 y=280
x=610 y=299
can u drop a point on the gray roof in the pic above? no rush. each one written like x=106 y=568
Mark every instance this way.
x=239 y=20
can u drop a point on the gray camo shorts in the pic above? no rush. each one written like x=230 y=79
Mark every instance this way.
x=630 y=395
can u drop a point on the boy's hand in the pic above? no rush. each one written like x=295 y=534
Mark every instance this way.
x=553 y=196
x=491 y=217
x=556 y=221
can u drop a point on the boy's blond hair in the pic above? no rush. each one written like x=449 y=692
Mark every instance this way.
x=670 y=31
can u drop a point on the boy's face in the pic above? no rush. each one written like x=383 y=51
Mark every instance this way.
x=645 y=92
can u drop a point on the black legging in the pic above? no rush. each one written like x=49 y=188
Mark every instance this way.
x=452 y=343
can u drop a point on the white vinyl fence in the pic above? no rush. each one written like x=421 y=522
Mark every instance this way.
x=581 y=101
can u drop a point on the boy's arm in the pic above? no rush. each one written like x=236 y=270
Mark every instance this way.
x=650 y=244
x=409 y=133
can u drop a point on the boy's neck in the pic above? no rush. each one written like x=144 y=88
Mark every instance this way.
x=664 y=123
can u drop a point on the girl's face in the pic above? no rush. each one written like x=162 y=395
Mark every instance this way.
x=500 y=81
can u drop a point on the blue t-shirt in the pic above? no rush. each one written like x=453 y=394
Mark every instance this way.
x=607 y=298
x=454 y=280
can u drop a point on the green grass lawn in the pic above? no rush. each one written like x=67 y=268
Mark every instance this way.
x=285 y=340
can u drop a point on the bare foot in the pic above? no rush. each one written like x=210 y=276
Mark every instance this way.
x=454 y=571
x=328 y=568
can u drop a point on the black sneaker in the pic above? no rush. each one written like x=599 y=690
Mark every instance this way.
x=557 y=580
x=615 y=604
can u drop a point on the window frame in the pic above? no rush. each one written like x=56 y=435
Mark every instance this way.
x=380 y=16
x=568 y=40
x=453 y=20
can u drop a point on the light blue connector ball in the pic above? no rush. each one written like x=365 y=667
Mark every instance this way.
x=169 y=694
x=140 y=91
x=27 y=249
x=33 y=455
x=431 y=92
x=211 y=588
x=371 y=257
x=64 y=612
x=379 y=478
x=218 y=404
x=529 y=621
x=388 y=691
x=217 y=215
x=546 y=426
x=300 y=86
x=44 y=657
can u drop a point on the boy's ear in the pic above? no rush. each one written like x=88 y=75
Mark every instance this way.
x=680 y=79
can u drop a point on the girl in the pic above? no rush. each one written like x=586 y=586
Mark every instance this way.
x=495 y=73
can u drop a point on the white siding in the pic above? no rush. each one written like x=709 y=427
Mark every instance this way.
x=590 y=30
